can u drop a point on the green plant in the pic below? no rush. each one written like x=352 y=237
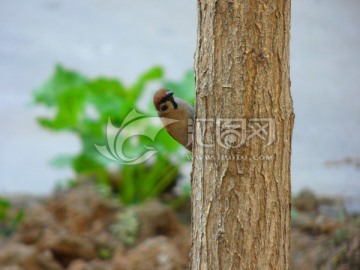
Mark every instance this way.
x=85 y=106
x=9 y=218
x=126 y=226
x=105 y=253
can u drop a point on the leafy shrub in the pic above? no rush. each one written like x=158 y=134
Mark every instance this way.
x=85 y=106
x=9 y=218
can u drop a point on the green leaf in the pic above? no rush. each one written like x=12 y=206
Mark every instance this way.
x=4 y=208
x=86 y=164
x=127 y=188
x=153 y=176
x=108 y=96
x=164 y=182
x=70 y=105
x=165 y=143
x=60 y=81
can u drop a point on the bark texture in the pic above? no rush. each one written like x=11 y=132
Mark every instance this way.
x=240 y=202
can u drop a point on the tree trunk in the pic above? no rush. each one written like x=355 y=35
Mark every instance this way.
x=244 y=119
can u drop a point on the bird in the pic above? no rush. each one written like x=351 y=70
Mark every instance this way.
x=177 y=116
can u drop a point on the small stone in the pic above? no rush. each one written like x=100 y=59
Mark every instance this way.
x=26 y=257
x=155 y=253
x=306 y=201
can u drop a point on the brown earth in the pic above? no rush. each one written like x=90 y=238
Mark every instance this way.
x=81 y=230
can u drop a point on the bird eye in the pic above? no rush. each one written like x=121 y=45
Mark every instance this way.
x=163 y=107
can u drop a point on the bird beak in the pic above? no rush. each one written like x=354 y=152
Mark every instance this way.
x=169 y=94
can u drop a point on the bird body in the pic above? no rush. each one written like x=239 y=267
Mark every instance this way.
x=171 y=108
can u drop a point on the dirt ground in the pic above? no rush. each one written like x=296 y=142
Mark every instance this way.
x=81 y=230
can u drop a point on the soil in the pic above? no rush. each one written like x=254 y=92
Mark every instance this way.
x=81 y=230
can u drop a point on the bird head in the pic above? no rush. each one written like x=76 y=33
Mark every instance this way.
x=164 y=101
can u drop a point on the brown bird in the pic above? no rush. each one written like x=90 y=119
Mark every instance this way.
x=171 y=108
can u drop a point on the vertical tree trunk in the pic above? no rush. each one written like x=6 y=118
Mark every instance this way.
x=244 y=120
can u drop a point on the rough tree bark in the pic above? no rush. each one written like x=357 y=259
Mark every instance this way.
x=241 y=179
